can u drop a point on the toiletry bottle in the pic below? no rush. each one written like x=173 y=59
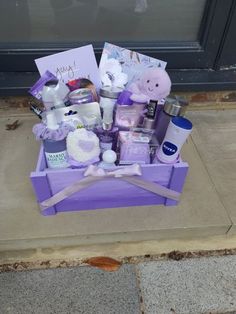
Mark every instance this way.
x=54 y=94
x=108 y=97
x=174 y=106
x=108 y=138
x=128 y=114
x=150 y=118
x=177 y=133
x=55 y=150
x=108 y=134
x=36 y=89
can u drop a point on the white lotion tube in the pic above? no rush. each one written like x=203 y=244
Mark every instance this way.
x=177 y=133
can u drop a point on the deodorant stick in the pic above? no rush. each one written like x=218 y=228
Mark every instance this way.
x=177 y=133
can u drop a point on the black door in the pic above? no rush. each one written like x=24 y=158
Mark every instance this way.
x=195 y=37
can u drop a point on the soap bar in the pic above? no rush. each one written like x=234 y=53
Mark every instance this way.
x=131 y=153
x=134 y=148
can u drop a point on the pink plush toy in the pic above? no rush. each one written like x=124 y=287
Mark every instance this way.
x=154 y=84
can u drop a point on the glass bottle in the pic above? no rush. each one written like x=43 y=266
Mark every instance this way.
x=108 y=134
x=108 y=97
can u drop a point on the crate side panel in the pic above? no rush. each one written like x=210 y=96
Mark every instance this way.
x=42 y=190
x=109 y=193
x=177 y=181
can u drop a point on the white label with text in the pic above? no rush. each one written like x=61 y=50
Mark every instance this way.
x=57 y=160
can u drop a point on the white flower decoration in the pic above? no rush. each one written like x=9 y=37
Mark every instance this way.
x=141 y=6
x=111 y=72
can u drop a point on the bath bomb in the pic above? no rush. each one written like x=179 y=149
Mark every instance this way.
x=82 y=145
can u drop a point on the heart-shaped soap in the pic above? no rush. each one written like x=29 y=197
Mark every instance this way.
x=82 y=145
x=86 y=146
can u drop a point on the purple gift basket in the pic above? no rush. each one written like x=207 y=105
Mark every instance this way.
x=82 y=131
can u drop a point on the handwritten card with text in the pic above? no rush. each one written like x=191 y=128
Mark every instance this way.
x=71 y=64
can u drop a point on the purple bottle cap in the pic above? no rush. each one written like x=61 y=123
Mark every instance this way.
x=124 y=98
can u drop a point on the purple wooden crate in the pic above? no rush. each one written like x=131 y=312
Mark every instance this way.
x=108 y=193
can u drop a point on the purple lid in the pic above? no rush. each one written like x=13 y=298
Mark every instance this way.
x=80 y=96
x=124 y=98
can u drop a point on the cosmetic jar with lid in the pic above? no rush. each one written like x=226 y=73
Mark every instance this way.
x=80 y=96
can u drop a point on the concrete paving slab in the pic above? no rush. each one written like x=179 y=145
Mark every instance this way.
x=193 y=286
x=200 y=212
x=70 y=291
x=214 y=135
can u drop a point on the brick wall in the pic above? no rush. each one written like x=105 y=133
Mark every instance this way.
x=197 y=101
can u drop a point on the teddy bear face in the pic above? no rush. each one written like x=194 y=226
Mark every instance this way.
x=155 y=83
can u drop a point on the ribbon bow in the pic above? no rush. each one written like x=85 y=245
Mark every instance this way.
x=95 y=171
x=94 y=174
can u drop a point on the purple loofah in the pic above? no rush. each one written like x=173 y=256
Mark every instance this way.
x=41 y=132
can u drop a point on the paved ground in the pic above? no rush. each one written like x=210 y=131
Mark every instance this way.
x=191 y=286
x=206 y=207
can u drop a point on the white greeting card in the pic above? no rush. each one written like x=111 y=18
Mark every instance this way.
x=72 y=64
